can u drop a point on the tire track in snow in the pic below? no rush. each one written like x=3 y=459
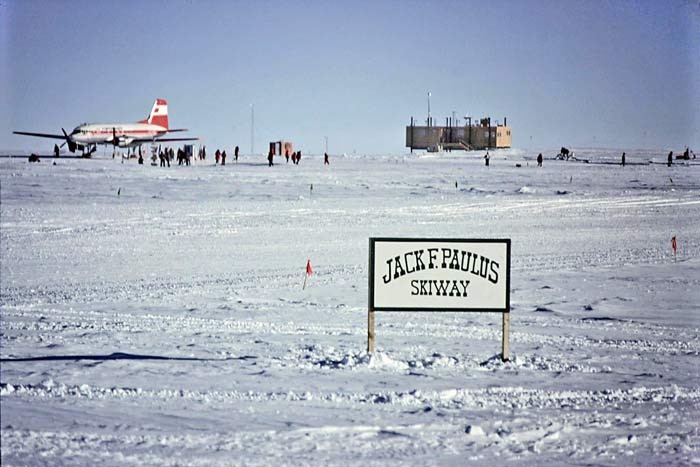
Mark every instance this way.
x=160 y=289
x=501 y=397
x=59 y=322
x=179 y=326
x=541 y=441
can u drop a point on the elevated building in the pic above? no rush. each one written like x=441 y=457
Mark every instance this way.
x=470 y=136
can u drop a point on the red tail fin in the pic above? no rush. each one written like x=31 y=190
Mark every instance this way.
x=159 y=114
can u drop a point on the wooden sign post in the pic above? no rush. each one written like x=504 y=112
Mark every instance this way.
x=370 y=331
x=505 y=351
x=465 y=275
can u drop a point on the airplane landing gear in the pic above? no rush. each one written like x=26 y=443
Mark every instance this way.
x=90 y=150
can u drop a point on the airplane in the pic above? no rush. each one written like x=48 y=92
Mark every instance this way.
x=123 y=135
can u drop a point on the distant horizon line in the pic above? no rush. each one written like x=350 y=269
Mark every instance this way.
x=9 y=153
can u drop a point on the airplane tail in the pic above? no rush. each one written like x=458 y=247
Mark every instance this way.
x=159 y=114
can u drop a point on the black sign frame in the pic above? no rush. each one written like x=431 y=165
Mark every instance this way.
x=373 y=240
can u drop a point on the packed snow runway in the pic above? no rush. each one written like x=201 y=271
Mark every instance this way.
x=167 y=325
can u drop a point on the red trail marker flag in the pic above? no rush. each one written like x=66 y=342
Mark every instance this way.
x=674 y=245
x=309 y=271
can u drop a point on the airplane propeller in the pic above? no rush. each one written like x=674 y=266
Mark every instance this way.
x=72 y=146
x=115 y=141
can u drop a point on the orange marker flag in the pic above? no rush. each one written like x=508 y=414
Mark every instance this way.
x=309 y=271
x=674 y=245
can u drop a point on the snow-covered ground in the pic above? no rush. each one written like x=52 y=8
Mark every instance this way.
x=167 y=325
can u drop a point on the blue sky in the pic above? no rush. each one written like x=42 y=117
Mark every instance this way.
x=621 y=74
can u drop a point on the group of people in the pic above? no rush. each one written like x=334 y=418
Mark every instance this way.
x=487 y=159
x=296 y=157
x=687 y=155
x=220 y=156
x=166 y=155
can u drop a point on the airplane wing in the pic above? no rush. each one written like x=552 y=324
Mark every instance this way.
x=158 y=140
x=40 y=135
x=178 y=129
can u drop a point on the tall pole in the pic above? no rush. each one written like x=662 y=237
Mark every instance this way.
x=469 y=122
x=326 y=144
x=252 y=129
x=428 y=108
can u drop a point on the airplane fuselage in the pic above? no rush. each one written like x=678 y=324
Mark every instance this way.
x=125 y=134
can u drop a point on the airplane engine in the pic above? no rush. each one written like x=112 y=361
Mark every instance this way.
x=72 y=145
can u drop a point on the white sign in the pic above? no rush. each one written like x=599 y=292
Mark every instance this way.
x=439 y=275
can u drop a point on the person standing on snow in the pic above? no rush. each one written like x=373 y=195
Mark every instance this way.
x=670 y=158
x=623 y=159
x=539 y=160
